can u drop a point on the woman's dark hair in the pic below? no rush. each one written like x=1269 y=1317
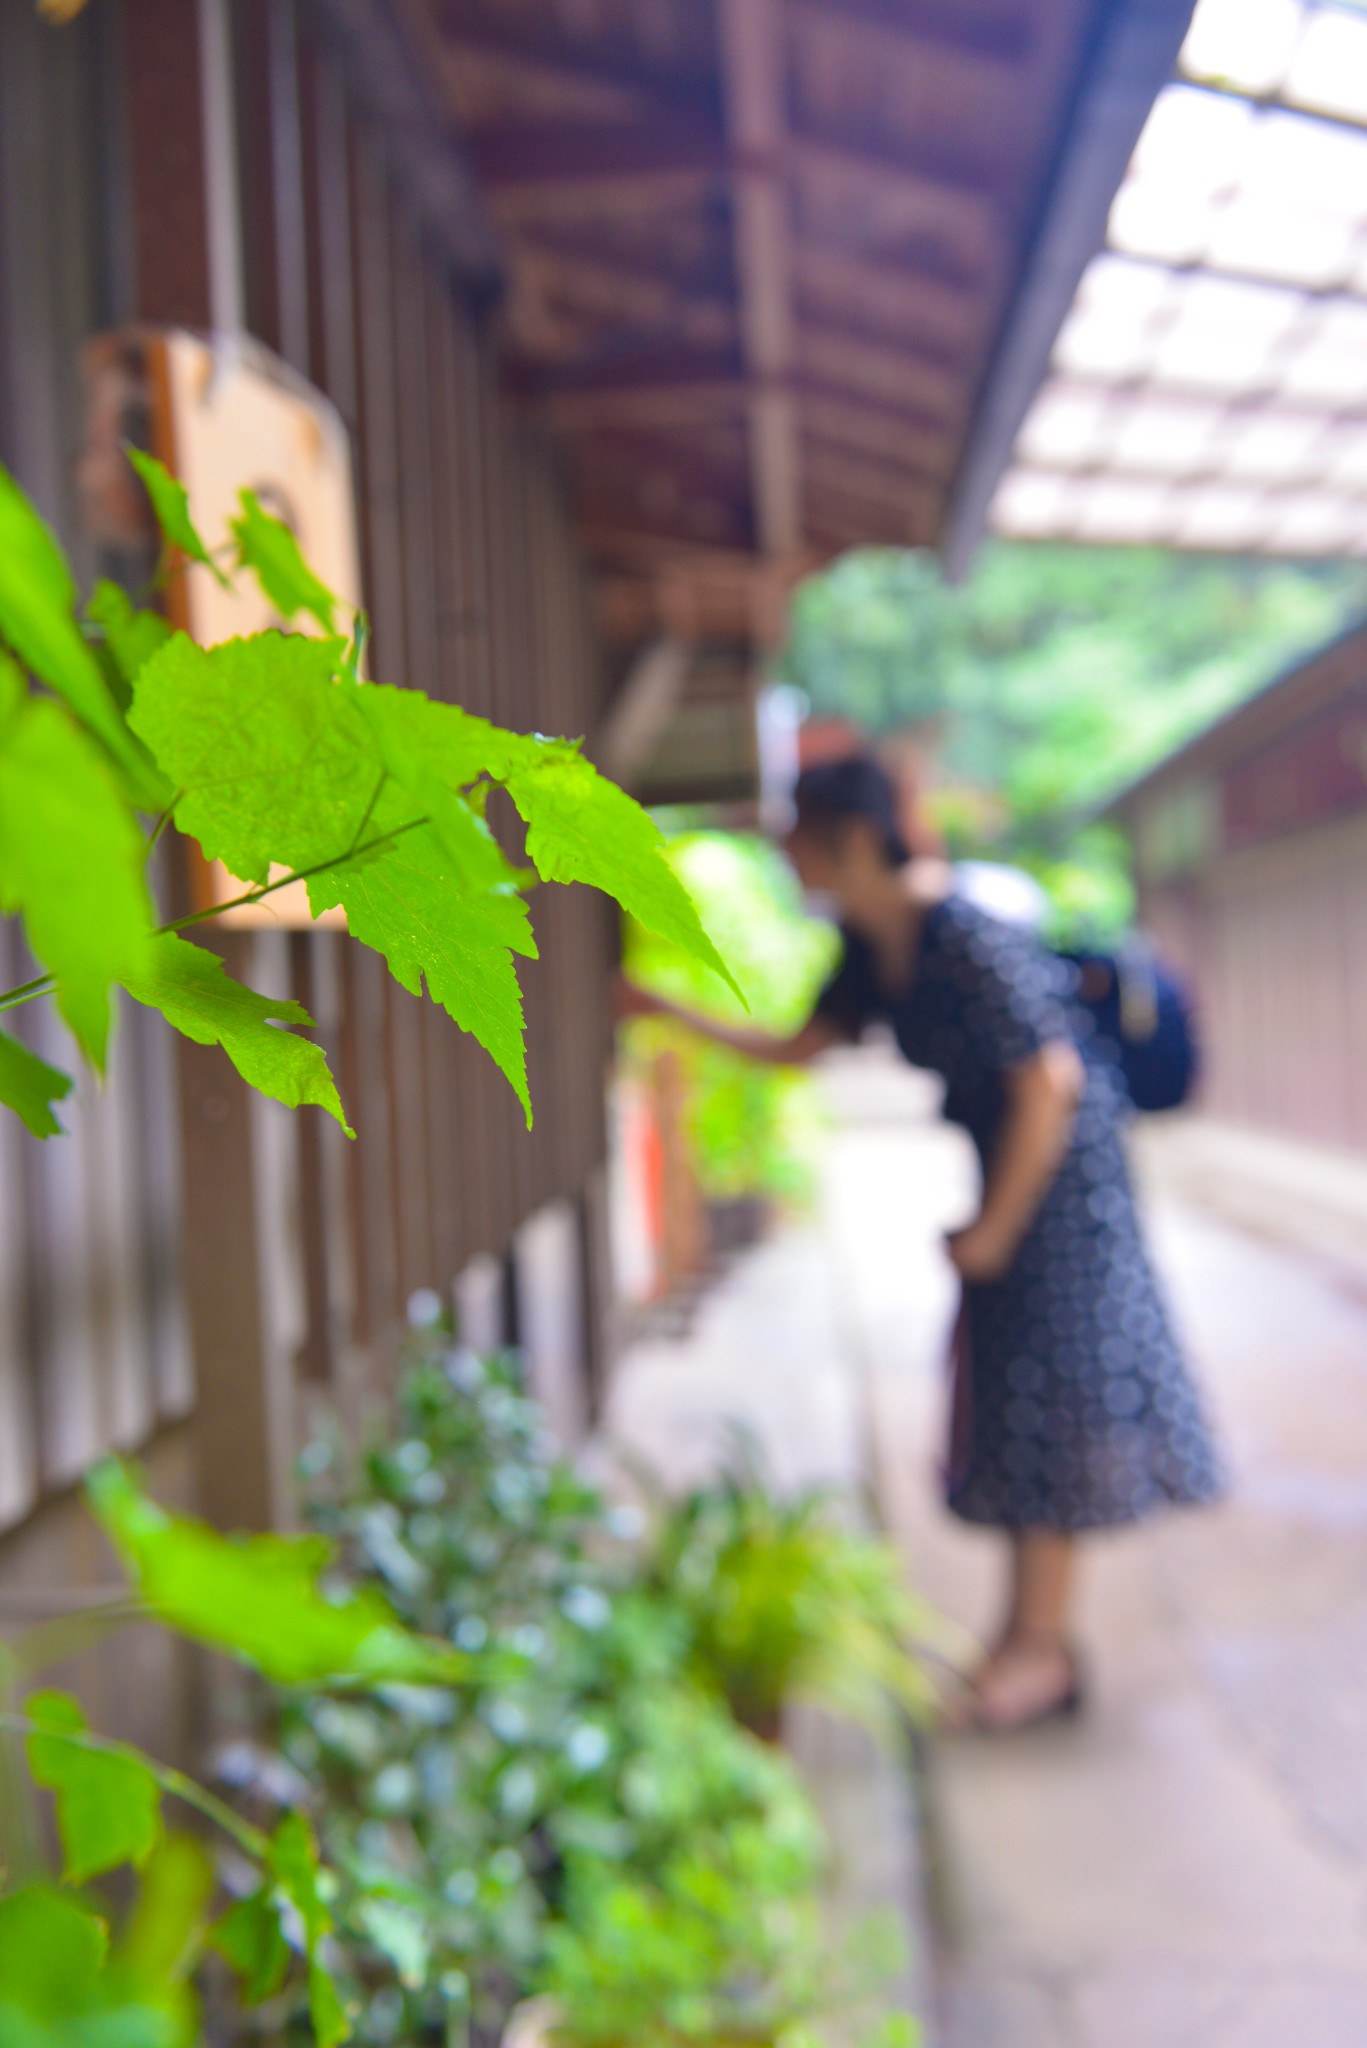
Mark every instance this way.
x=829 y=794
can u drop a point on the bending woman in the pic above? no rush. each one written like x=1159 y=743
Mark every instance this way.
x=1073 y=1409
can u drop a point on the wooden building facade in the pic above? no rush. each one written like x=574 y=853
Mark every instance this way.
x=192 y=1264
x=1251 y=852
x=635 y=311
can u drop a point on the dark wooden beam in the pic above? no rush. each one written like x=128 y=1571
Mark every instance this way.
x=511 y=154
x=753 y=67
x=603 y=61
x=999 y=35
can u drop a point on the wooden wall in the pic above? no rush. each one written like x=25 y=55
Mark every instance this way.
x=192 y=1259
x=1274 y=939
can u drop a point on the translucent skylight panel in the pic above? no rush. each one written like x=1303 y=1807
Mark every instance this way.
x=1028 y=501
x=1218 y=516
x=1328 y=70
x=1120 y=509
x=1278 y=447
x=1067 y=428
x=1314 y=523
x=1226 y=336
x=1293 y=160
x=1195 y=139
x=1098 y=343
x=1164 y=436
x=1280 y=243
x=1347 y=464
x=1158 y=220
x=1331 y=366
x=1133 y=291
x=1248 y=43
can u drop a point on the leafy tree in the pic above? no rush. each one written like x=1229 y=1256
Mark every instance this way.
x=279 y=758
x=1057 y=672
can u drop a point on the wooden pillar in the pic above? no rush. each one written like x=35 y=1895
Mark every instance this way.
x=187 y=268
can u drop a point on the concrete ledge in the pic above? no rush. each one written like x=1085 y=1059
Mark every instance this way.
x=1306 y=1196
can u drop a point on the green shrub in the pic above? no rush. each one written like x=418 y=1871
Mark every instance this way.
x=784 y=1601
x=585 y=1781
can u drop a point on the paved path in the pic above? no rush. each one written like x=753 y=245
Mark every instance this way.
x=1189 y=1864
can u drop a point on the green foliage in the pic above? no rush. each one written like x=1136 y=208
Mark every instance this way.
x=751 y=1129
x=71 y=861
x=258 y=1597
x=284 y=764
x=1056 y=673
x=266 y=545
x=489 y=1841
x=194 y=992
x=61 y=1988
x=37 y=597
x=108 y=1799
x=29 y=1086
x=784 y=1602
x=171 y=504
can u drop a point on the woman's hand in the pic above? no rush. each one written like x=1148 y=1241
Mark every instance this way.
x=981 y=1251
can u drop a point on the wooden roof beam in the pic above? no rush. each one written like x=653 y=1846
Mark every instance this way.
x=548 y=53
x=508 y=155
x=754 y=77
x=1001 y=35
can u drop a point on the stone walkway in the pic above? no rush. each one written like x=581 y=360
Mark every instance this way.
x=1189 y=1864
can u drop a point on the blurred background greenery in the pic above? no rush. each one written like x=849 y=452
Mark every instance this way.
x=1054 y=676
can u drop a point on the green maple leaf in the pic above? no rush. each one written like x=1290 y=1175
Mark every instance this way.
x=171 y=504
x=71 y=860
x=37 y=599
x=195 y=993
x=272 y=756
x=257 y=1596
x=410 y=904
x=293 y=1863
x=29 y=1086
x=249 y=1937
x=52 y=1951
x=129 y=636
x=582 y=828
x=266 y=546
x=108 y=1800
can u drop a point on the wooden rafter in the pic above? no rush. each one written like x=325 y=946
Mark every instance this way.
x=753 y=72
x=560 y=153
x=999 y=35
x=556 y=55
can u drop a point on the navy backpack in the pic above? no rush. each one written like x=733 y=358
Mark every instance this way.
x=1142 y=1012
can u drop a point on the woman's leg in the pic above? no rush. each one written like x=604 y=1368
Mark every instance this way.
x=1031 y=1670
x=1043 y=1568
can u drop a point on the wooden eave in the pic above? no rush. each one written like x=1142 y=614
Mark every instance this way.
x=762 y=257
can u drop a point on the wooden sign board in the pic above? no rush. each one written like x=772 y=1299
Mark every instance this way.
x=226 y=415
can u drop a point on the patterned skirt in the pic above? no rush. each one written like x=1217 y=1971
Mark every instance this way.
x=1073 y=1406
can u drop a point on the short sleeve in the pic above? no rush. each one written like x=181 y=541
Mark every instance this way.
x=849 y=999
x=1015 y=992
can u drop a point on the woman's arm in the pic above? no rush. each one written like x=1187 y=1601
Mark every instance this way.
x=1042 y=1098
x=817 y=1035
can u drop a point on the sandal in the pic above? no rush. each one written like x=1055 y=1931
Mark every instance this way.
x=974 y=1712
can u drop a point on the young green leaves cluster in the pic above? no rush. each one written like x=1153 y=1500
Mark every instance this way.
x=284 y=764
x=259 y=1598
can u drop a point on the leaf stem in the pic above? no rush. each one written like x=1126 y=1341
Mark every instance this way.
x=369 y=810
x=42 y=984
x=322 y=867
x=162 y=822
x=26 y=991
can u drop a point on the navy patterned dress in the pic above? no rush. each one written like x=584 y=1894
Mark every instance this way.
x=1073 y=1408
